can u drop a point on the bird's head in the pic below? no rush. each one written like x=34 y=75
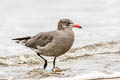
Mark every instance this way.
x=67 y=24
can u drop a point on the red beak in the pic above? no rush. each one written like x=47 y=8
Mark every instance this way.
x=77 y=26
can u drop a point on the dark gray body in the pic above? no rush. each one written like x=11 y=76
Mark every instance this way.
x=53 y=43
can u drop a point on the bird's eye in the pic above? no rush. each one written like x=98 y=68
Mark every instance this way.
x=68 y=23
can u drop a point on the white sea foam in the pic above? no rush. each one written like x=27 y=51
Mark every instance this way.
x=89 y=76
x=94 y=49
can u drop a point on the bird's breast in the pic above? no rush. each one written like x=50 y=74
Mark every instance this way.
x=64 y=42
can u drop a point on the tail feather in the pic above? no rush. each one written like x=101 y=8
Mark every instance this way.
x=23 y=38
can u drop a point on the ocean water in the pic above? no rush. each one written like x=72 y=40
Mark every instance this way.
x=96 y=50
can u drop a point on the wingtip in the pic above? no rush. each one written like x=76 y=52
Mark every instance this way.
x=13 y=39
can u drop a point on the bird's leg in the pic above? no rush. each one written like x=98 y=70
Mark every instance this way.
x=38 y=53
x=55 y=69
x=45 y=64
x=54 y=62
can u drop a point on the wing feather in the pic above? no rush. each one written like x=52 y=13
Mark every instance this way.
x=41 y=39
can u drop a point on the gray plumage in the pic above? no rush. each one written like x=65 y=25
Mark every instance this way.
x=52 y=43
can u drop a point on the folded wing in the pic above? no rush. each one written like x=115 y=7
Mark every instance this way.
x=41 y=39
